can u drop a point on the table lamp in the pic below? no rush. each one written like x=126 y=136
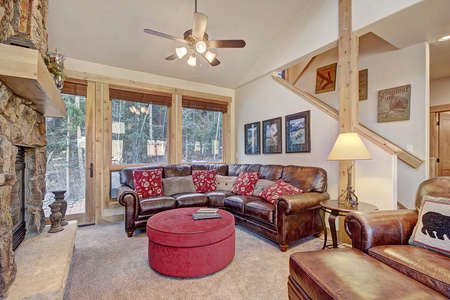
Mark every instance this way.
x=349 y=146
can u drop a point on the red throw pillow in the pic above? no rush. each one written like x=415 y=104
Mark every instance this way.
x=148 y=183
x=280 y=188
x=245 y=183
x=204 y=180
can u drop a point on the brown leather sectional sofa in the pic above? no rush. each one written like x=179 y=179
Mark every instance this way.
x=290 y=219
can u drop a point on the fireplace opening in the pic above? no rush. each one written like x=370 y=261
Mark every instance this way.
x=18 y=200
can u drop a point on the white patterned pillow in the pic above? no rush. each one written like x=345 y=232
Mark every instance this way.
x=432 y=230
x=176 y=185
x=225 y=183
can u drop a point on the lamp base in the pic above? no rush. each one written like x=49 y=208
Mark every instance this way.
x=348 y=195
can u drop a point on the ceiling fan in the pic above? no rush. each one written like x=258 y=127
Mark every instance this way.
x=197 y=42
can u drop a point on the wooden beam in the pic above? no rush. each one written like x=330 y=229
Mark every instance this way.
x=304 y=70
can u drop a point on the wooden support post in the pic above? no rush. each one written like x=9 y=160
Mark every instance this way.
x=348 y=86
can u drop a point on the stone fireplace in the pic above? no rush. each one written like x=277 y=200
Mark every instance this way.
x=22 y=126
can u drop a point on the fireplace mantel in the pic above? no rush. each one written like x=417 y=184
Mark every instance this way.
x=24 y=71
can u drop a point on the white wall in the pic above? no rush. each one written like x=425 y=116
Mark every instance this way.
x=440 y=91
x=264 y=99
x=376 y=180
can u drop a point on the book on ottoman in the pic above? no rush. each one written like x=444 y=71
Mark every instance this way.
x=206 y=213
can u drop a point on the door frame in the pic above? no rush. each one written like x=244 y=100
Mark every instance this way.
x=88 y=217
x=434 y=138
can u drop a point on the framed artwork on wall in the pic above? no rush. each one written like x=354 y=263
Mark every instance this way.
x=394 y=104
x=298 y=133
x=272 y=136
x=363 y=84
x=326 y=78
x=252 y=138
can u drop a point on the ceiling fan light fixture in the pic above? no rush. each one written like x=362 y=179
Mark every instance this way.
x=210 y=56
x=444 y=38
x=200 y=47
x=181 y=52
x=192 y=61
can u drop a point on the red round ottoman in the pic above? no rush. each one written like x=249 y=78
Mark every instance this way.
x=180 y=246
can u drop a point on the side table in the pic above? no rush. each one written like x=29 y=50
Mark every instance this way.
x=335 y=209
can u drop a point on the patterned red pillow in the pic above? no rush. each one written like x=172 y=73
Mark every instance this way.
x=148 y=183
x=245 y=183
x=280 y=188
x=204 y=180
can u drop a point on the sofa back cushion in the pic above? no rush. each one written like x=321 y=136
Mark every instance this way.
x=221 y=169
x=435 y=187
x=236 y=169
x=271 y=172
x=176 y=170
x=308 y=179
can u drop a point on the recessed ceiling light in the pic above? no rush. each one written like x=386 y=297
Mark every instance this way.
x=444 y=38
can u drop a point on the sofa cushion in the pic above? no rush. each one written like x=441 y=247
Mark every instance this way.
x=217 y=198
x=280 y=188
x=245 y=183
x=432 y=230
x=225 y=183
x=261 y=185
x=423 y=265
x=176 y=185
x=149 y=206
x=260 y=209
x=204 y=180
x=148 y=183
x=236 y=203
x=191 y=199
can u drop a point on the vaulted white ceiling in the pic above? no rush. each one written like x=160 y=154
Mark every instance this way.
x=110 y=32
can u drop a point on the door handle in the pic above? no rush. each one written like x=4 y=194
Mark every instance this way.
x=91 y=170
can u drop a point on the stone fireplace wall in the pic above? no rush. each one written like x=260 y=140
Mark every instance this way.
x=22 y=125
x=22 y=23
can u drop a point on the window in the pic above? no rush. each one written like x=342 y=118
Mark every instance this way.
x=202 y=130
x=139 y=127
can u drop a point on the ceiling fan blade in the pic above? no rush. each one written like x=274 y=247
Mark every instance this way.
x=172 y=57
x=199 y=26
x=215 y=61
x=163 y=35
x=227 y=44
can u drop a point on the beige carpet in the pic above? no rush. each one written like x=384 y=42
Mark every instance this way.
x=108 y=265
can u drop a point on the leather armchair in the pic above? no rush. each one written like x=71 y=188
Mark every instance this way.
x=394 y=227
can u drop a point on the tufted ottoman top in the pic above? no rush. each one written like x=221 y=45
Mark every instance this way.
x=177 y=228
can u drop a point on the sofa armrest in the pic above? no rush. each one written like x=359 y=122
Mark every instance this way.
x=126 y=195
x=294 y=204
x=368 y=229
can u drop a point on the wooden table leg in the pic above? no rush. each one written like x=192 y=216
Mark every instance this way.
x=332 y=222
x=322 y=218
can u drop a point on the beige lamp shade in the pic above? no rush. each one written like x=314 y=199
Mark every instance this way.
x=349 y=146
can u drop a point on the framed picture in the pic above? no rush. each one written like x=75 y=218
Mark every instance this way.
x=326 y=78
x=394 y=104
x=363 y=85
x=297 y=133
x=272 y=136
x=252 y=138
